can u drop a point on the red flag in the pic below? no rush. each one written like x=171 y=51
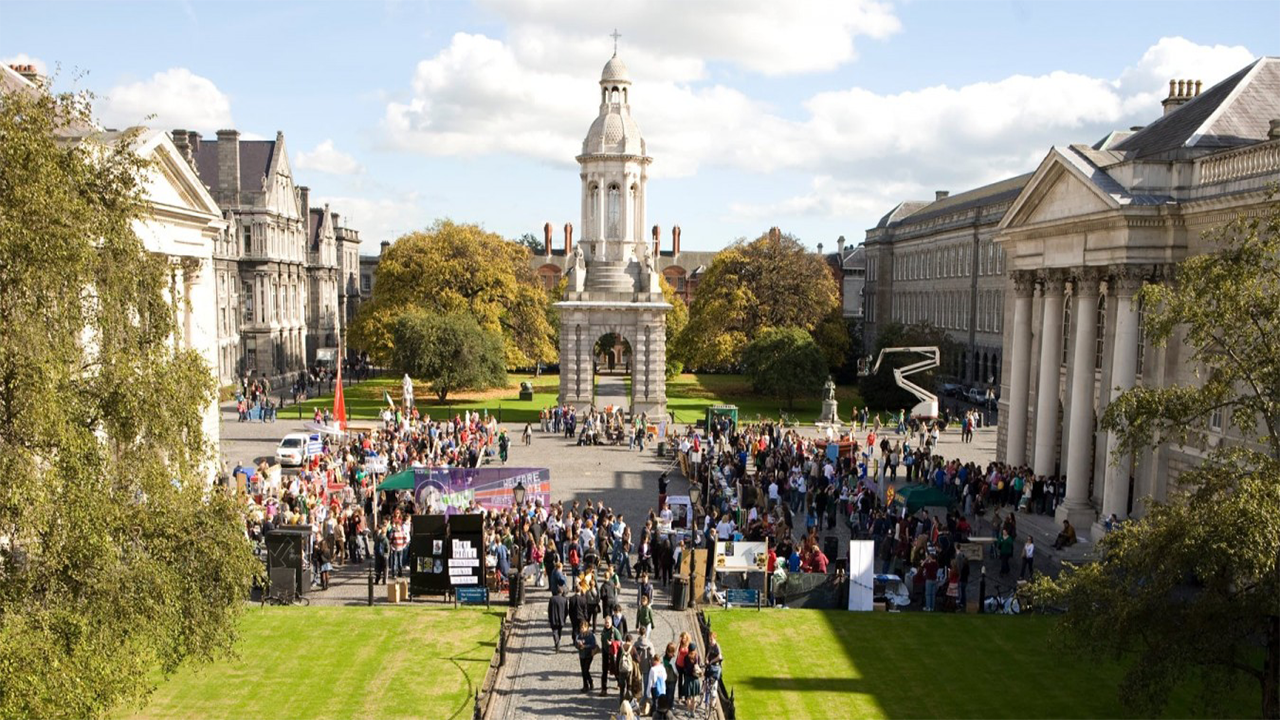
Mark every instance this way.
x=339 y=403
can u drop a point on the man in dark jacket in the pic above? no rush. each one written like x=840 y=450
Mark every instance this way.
x=557 y=613
x=579 y=612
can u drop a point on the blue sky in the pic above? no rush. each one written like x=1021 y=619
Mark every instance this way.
x=817 y=117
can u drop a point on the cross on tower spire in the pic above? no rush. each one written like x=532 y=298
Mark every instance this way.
x=615 y=37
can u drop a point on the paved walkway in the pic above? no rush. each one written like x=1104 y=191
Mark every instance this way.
x=538 y=682
x=611 y=390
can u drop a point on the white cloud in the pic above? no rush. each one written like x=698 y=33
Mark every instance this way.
x=385 y=218
x=176 y=97
x=328 y=159
x=863 y=150
x=42 y=67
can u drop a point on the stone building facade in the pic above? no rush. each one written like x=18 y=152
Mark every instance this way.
x=1089 y=228
x=280 y=266
x=938 y=262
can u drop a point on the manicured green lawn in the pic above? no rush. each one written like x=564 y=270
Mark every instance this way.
x=339 y=662
x=688 y=397
x=832 y=664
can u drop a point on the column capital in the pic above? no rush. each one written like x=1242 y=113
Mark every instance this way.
x=1126 y=280
x=1052 y=282
x=1085 y=282
x=1024 y=283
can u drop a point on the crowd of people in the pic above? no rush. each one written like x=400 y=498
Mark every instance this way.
x=606 y=426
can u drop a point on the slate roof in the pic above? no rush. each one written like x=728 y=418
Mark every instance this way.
x=993 y=194
x=255 y=162
x=1236 y=111
x=902 y=210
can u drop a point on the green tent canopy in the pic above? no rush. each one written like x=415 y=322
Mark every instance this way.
x=402 y=480
x=921 y=496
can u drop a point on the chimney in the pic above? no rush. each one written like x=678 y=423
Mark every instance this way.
x=181 y=143
x=819 y=249
x=568 y=239
x=775 y=234
x=675 y=241
x=657 y=240
x=940 y=195
x=229 y=160
x=304 y=200
x=29 y=73
x=193 y=140
x=840 y=247
x=382 y=249
x=1274 y=132
x=1180 y=93
x=546 y=239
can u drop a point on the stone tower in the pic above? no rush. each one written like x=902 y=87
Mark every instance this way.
x=613 y=280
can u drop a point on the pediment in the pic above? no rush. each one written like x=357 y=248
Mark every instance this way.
x=172 y=183
x=1058 y=190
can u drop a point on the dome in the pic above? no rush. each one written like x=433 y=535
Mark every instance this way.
x=614 y=132
x=614 y=71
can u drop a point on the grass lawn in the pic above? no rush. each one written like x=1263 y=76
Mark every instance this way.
x=339 y=662
x=832 y=664
x=688 y=397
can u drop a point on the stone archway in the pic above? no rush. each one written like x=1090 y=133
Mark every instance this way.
x=641 y=326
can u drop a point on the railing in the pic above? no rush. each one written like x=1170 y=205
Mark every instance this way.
x=1245 y=162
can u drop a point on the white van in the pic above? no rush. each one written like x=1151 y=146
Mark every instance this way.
x=292 y=449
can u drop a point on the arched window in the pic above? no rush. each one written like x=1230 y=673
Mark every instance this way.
x=615 y=210
x=593 y=201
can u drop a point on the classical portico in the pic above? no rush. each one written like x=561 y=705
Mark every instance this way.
x=614 y=286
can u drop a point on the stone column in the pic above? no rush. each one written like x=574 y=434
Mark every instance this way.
x=1079 y=454
x=1124 y=369
x=1052 y=283
x=1020 y=365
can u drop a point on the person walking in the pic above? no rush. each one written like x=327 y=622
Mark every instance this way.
x=1005 y=549
x=557 y=613
x=610 y=644
x=1028 y=557
x=587 y=650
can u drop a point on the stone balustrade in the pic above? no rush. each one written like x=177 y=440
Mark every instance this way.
x=1246 y=162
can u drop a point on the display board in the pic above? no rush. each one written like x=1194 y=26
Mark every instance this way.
x=451 y=490
x=861 y=575
x=447 y=553
x=741 y=556
x=681 y=511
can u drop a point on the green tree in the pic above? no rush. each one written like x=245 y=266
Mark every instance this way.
x=834 y=335
x=880 y=390
x=677 y=319
x=118 y=564
x=1193 y=589
x=450 y=268
x=533 y=242
x=772 y=281
x=784 y=362
x=450 y=352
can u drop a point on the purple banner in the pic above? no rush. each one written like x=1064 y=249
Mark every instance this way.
x=451 y=490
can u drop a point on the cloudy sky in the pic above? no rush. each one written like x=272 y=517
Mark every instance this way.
x=814 y=116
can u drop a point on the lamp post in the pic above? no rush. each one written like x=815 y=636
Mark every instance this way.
x=515 y=584
x=695 y=495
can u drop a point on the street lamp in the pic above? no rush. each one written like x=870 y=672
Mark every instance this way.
x=515 y=584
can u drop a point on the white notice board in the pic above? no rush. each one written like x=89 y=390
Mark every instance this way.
x=861 y=563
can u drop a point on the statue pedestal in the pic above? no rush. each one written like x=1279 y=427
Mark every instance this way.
x=829 y=412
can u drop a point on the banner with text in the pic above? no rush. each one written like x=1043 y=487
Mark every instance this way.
x=450 y=490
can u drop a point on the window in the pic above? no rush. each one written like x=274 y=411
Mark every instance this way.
x=366 y=283
x=248 y=302
x=999 y=261
x=1215 y=420
x=248 y=240
x=615 y=210
x=1102 y=332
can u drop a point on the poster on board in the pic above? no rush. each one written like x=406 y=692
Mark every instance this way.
x=741 y=556
x=451 y=490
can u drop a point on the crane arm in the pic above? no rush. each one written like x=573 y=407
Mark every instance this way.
x=932 y=360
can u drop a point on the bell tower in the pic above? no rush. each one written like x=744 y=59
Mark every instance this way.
x=613 y=281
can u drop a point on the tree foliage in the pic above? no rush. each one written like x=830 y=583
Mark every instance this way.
x=456 y=268
x=772 y=281
x=784 y=362
x=1194 y=587
x=533 y=242
x=116 y=563
x=677 y=319
x=881 y=390
x=450 y=352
